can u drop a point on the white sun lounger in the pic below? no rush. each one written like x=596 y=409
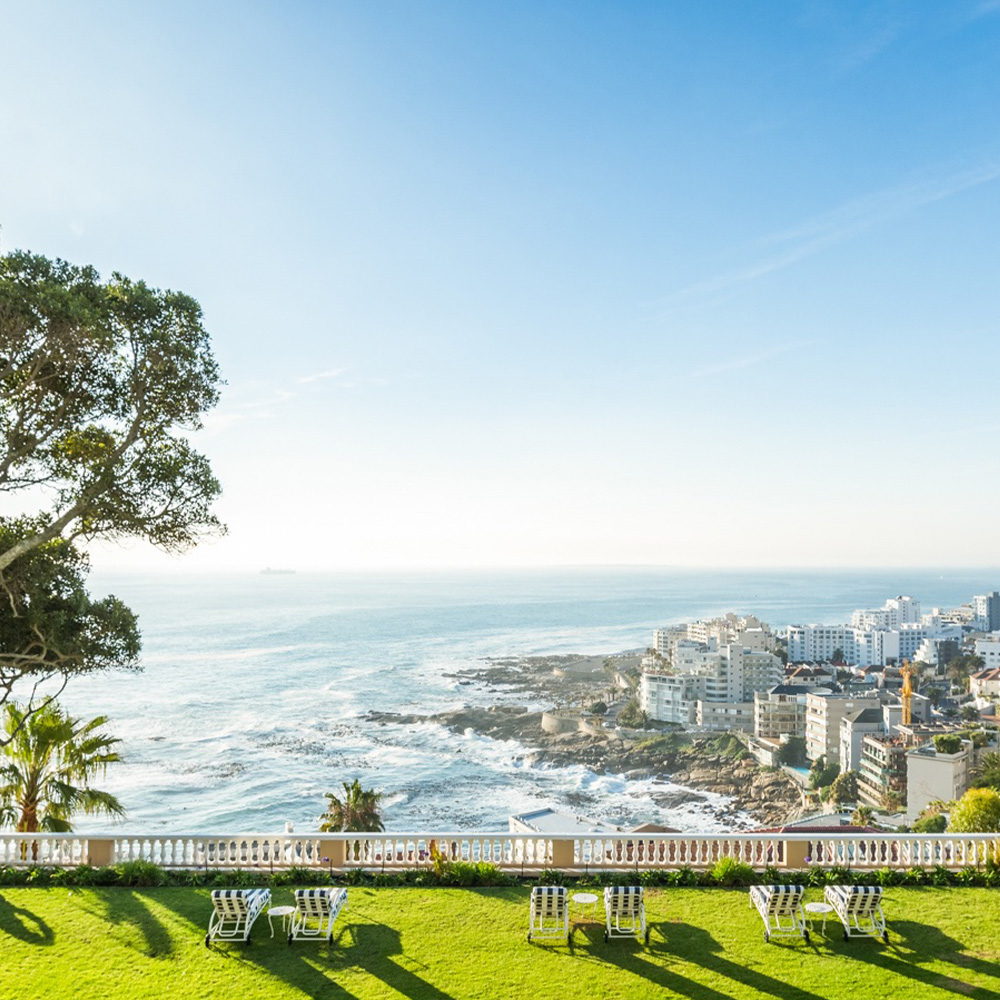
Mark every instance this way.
x=780 y=907
x=860 y=910
x=316 y=910
x=234 y=911
x=625 y=912
x=549 y=912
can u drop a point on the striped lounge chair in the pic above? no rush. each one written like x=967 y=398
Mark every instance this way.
x=780 y=907
x=233 y=913
x=860 y=910
x=625 y=912
x=316 y=910
x=549 y=913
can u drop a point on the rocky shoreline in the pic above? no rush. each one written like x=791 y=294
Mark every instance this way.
x=699 y=764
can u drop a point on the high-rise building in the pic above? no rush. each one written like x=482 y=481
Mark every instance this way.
x=986 y=608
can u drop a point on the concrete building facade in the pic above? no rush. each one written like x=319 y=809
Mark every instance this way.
x=824 y=713
x=932 y=775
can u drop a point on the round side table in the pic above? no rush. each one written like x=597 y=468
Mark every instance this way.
x=285 y=912
x=583 y=900
x=814 y=910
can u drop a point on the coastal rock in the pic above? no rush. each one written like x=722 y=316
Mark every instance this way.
x=706 y=764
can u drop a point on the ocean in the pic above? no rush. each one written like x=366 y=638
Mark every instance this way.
x=252 y=701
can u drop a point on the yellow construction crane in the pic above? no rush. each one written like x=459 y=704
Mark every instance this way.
x=907 y=693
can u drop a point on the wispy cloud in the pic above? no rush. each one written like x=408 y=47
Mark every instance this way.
x=748 y=361
x=320 y=376
x=260 y=400
x=868 y=48
x=840 y=224
x=986 y=7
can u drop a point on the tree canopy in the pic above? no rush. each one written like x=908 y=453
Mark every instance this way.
x=98 y=379
x=99 y=383
x=50 y=626
x=844 y=788
x=977 y=811
x=792 y=751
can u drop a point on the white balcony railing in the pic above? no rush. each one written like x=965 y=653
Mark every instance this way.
x=509 y=851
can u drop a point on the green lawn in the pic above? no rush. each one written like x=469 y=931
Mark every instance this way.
x=456 y=944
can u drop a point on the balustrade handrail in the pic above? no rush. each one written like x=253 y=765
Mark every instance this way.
x=511 y=851
x=789 y=835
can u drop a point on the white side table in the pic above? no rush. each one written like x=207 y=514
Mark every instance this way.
x=583 y=900
x=816 y=909
x=285 y=912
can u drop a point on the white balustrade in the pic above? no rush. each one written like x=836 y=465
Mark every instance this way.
x=512 y=852
x=24 y=850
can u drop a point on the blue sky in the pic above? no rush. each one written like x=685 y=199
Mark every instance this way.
x=548 y=283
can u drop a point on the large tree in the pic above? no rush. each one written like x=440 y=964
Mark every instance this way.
x=99 y=383
x=48 y=766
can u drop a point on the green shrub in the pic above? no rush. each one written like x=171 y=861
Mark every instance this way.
x=82 y=875
x=729 y=871
x=355 y=876
x=816 y=876
x=947 y=743
x=140 y=873
x=470 y=873
x=551 y=877
x=36 y=875
x=970 y=876
x=931 y=824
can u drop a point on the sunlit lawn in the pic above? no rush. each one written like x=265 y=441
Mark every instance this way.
x=466 y=943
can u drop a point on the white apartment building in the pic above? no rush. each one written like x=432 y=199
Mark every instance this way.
x=894 y=614
x=824 y=713
x=670 y=697
x=989 y=649
x=728 y=630
x=780 y=711
x=724 y=715
x=986 y=612
x=853 y=728
x=863 y=647
x=729 y=675
x=817 y=643
x=937 y=652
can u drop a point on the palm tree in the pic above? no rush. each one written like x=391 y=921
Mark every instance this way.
x=987 y=774
x=357 y=812
x=47 y=766
x=862 y=816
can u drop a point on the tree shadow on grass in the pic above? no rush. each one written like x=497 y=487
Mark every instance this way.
x=643 y=962
x=128 y=913
x=24 y=925
x=691 y=945
x=367 y=947
x=311 y=966
x=697 y=946
x=912 y=946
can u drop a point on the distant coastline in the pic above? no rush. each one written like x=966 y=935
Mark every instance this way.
x=268 y=571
